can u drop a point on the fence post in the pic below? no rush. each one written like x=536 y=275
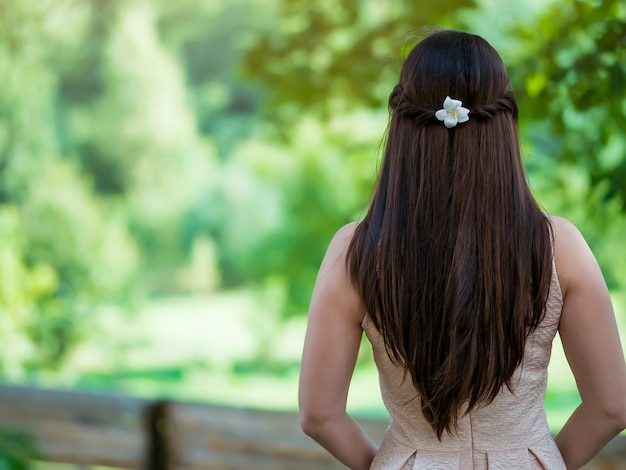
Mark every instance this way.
x=158 y=429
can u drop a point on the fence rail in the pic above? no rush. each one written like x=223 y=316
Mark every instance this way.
x=123 y=432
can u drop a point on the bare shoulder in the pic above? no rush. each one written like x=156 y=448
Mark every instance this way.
x=563 y=228
x=344 y=234
x=339 y=245
x=334 y=285
x=573 y=256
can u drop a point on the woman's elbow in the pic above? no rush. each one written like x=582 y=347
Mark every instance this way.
x=617 y=416
x=313 y=421
x=614 y=412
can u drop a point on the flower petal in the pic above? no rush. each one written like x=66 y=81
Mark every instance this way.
x=441 y=114
x=450 y=121
x=448 y=104
x=463 y=114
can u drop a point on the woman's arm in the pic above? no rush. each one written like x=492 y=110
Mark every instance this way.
x=331 y=346
x=592 y=346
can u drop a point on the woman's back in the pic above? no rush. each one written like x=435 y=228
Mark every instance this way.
x=510 y=432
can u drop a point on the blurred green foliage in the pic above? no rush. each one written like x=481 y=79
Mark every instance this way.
x=336 y=55
x=17 y=450
x=572 y=92
x=573 y=88
x=155 y=147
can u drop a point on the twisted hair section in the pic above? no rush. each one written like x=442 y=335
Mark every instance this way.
x=401 y=105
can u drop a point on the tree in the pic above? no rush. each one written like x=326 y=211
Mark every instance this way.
x=329 y=56
x=571 y=85
x=64 y=250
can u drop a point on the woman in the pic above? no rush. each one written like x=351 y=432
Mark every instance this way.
x=460 y=283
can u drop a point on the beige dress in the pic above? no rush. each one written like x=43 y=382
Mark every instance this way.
x=510 y=433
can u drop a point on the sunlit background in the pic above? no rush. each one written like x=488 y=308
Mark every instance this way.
x=172 y=171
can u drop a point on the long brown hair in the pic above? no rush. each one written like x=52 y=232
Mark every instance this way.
x=453 y=260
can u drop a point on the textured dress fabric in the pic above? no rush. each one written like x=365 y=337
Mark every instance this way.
x=510 y=433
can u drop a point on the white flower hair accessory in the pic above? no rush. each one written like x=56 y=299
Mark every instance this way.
x=452 y=113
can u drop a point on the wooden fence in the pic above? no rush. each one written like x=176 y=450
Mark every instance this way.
x=117 y=431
